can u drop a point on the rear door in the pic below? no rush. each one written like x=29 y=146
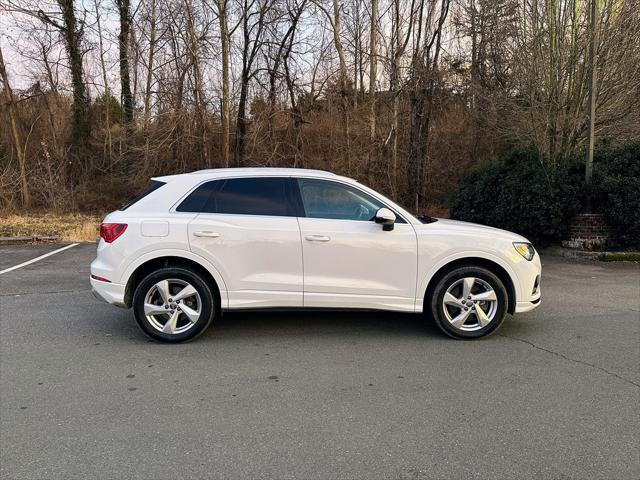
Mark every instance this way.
x=247 y=228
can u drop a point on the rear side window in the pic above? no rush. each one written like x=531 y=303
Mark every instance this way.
x=254 y=196
x=241 y=196
x=155 y=184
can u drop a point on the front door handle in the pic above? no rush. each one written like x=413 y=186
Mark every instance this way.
x=317 y=238
x=206 y=234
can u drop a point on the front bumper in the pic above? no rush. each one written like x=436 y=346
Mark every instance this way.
x=522 y=307
x=529 y=275
x=112 y=293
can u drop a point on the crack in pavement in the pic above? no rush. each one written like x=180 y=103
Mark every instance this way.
x=557 y=354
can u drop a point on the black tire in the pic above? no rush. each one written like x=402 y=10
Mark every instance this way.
x=205 y=299
x=472 y=327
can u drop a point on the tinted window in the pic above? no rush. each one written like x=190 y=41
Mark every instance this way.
x=254 y=196
x=152 y=188
x=325 y=199
x=198 y=200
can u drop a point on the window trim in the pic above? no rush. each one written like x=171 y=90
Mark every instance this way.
x=303 y=213
x=294 y=192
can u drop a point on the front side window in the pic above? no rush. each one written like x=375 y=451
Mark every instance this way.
x=337 y=201
x=241 y=196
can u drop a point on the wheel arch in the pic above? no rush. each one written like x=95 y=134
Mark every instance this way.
x=147 y=265
x=494 y=267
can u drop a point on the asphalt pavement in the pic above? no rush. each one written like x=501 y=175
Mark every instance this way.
x=555 y=394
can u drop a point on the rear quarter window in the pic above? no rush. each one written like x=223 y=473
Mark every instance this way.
x=155 y=184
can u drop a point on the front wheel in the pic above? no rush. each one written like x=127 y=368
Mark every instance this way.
x=173 y=304
x=469 y=302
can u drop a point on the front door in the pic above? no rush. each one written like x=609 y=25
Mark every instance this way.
x=349 y=260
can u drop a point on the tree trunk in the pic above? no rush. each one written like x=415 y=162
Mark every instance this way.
x=123 y=44
x=148 y=84
x=224 y=40
x=241 y=123
x=17 y=137
x=592 y=102
x=152 y=49
x=81 y=128
x=343 y=81
x=373 y=67
x=201 y=112
x=107 y=95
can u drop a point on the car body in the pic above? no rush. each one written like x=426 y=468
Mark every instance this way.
x=296 y=238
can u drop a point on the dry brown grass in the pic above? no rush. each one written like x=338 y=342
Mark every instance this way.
x=70 y=227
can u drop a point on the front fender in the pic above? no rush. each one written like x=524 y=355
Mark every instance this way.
x=435 y=266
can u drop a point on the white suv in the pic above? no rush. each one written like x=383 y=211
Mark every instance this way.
x=194 y=245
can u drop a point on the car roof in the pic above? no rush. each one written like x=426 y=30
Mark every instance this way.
x=252 y=172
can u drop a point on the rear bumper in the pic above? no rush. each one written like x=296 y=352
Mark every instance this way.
x=112 y=293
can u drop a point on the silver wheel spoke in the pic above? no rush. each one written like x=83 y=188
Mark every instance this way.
x=461 y=318
x=151 y=309
x=163 y=290
x=472 y=311
x=190 y=313
x=167 y=317
x=449 y=299
x=467 y=285
x=482 y=316
x=184 y=293
x=489 y=296
x=170 y=326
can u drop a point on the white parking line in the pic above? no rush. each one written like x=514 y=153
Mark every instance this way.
x=34 y=260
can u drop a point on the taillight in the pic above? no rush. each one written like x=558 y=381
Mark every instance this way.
x=110 y=231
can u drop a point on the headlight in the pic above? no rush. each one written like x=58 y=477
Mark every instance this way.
x=524 y=249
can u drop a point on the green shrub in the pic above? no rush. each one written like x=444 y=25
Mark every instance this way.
x=616 y=192
x=516 y=193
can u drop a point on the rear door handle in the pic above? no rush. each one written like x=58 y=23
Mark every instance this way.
x=206 y=234
x=317 y=238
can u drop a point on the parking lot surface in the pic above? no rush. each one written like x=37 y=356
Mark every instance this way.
x=84 y=394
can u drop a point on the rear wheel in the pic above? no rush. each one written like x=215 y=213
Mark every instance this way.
x=173 y=304
x=469 y=302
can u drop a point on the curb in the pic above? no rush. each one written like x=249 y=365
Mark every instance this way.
x=589 y=255
x=32 y=239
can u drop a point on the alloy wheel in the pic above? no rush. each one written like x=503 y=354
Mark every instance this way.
x=470 y=304
x=172 y=306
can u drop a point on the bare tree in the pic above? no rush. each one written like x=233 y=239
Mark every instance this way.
x=253 y=24
x=424 y=76
x=17 y=137
x=335 y=23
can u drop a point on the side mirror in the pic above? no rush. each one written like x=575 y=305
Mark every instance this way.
x=386 y=218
